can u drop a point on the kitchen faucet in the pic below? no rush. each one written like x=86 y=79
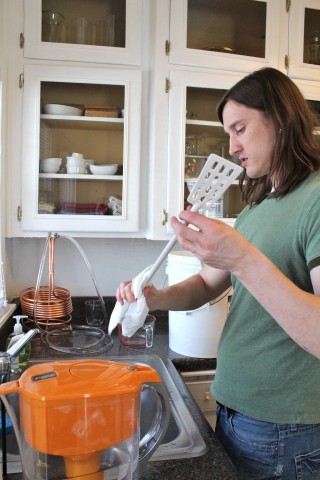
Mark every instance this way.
x=5 y=360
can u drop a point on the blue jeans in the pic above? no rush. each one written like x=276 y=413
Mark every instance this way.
x=265 y=451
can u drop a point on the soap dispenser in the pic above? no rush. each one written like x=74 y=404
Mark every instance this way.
x=21 y=361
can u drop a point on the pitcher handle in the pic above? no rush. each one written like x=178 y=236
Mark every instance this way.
x=155 y=434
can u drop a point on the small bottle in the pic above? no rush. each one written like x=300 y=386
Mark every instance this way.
x=21 y=361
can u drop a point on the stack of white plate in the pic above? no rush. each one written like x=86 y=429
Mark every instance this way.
x=56 y=109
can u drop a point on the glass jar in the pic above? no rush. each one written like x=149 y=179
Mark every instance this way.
x=315 y=48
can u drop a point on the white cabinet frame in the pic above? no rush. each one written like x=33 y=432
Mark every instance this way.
x=31 y=219
x=129 y=55
x=180 y=54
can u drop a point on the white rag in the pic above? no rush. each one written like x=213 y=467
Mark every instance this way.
x=131 y=314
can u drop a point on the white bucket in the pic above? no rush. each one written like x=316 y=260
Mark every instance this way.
x=194 y=333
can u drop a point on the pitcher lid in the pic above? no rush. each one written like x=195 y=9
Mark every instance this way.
x=78 y=379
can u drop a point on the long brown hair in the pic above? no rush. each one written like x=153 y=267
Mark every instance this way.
x=297 y=149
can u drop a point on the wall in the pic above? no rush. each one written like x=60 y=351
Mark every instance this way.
x=112 y=260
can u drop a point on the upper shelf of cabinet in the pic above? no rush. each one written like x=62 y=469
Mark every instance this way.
x=100 y=31
x=86 y=123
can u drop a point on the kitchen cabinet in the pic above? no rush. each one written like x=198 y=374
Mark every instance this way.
x=304 y=39
x=243 y=35
x=199 y=384
x=283 y=34
x=73 y=202
x=206 y=56
x=193 y=100
x=208 y=50
x=82 y=75
x=166 y=67
x=192 y=106
x=100 y=31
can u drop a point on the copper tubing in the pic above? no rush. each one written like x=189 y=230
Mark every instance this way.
x=54 y=303
x=47 y=305
x=51 y=266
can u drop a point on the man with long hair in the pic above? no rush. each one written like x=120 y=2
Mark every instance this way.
x=267 y=382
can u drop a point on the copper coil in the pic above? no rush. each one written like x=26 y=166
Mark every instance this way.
x=45 y=303
x=46 y=324
x=47 y=306
x=50 y=322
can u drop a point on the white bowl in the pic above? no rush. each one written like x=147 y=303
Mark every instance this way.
x=104 y=169
x=50 y=165
x=88 y=162
x=56 y=109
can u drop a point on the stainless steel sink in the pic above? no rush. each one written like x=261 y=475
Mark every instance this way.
x=183 y=438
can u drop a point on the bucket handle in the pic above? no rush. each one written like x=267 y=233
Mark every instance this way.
x=208 y=305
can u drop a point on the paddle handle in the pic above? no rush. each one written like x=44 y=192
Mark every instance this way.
x=166 y=250
x=160 y=259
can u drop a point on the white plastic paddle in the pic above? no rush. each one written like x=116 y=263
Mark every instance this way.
x=215 y=178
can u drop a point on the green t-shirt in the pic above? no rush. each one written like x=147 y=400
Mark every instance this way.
x=261 y=371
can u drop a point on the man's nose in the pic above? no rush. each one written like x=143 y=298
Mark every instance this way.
x=234 y=146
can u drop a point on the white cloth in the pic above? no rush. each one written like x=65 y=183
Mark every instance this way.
x=131 y=314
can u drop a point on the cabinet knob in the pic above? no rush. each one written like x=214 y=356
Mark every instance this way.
x=207 y=396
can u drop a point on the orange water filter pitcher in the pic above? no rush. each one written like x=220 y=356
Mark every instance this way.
x=85 y=414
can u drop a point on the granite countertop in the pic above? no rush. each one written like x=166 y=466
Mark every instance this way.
x=215 y=464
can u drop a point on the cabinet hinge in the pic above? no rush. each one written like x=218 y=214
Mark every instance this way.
x=164 y=217
x=21 y=80
x=168 y=85
x=167 y=47
x=21 y=40
x=288 y=5
x=19 y=213
x=287 y=61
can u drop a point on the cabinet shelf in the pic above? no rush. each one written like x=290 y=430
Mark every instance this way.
x=85 y=176
x=204 y=123
x=205 y=127
x=85 y=123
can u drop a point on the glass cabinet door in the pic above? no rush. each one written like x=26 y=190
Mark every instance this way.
x=311 y=92
x=80 y=162
x=194 y=133
x=243 y=34
x=102 y=31
x=304 y=39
